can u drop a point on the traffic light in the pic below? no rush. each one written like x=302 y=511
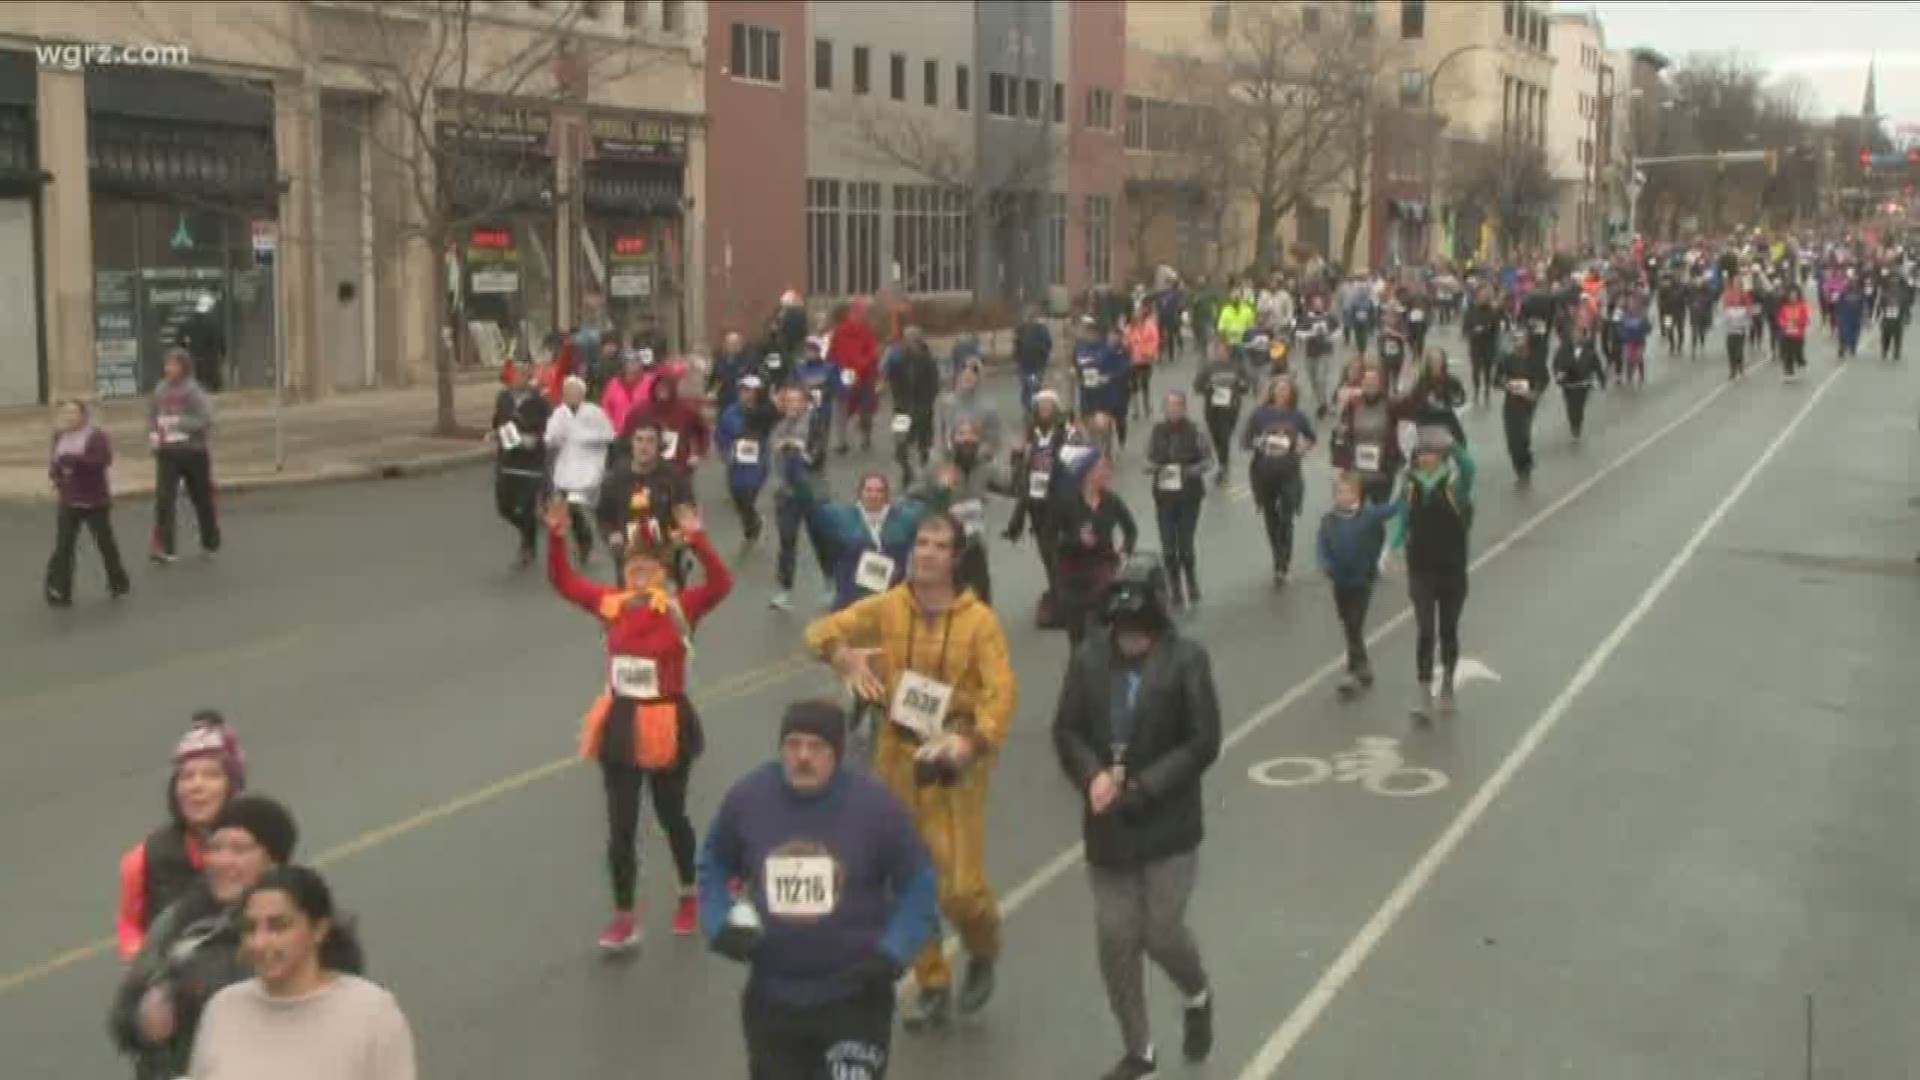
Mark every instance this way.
x=1913 y=156
x=1866 y=158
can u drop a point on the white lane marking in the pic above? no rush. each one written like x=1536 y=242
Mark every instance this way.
x=1375 y=763
x=1070 y=857
x=1469 y=670
x=1287 y=1036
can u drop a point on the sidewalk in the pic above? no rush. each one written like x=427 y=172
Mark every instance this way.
x=357 y=436
x=363 y=435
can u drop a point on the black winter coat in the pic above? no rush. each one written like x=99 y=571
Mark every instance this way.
x=1176 y=737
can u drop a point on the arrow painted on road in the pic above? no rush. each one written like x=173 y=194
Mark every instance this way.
x=1467 y=671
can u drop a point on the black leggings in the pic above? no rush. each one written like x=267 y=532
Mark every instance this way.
x=1279 y=502
x=623 y=785
x=1140 y=388
x=1437 y=602
x=516 y=497
x=192 y=469
x=1220 y=425
x=849 y=1038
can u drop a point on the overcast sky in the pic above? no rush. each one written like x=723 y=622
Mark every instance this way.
x=1826 y=43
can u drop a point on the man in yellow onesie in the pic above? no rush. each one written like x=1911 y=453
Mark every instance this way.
x=932 y=656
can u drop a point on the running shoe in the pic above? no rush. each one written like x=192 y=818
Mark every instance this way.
x=931 y=1007
x=1197 y=1024
x=976 y=988
x=686 y=916
x=622 y=932
x=781 y=600
x=1134 y=1067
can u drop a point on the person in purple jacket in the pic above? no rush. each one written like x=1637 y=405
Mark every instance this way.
x=78 y=467
x=815 y=878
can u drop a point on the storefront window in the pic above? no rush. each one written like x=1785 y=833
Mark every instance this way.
x=508 y=278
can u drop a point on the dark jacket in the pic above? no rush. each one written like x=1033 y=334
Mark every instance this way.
x=82 y=478
x=193 y=949
x=529 y=416
x=1176 y=736
x=914 y=381
x=666 y=487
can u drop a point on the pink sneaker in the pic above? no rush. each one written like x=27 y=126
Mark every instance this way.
x=686 y=917
x=622 y=932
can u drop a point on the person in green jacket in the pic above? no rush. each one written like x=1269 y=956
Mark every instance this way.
x=1236 y=318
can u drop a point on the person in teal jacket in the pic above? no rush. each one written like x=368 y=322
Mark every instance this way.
x=1436 y=517
x=741 y=435
x=868 y=541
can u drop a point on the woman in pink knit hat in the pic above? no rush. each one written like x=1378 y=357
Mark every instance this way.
x=209 y=769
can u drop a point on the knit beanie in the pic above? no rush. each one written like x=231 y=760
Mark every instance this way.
x=824 y=720
x=269 y=823
x=211 y=737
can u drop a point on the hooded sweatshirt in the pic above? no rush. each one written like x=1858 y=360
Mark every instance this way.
x=855 y=350
x=956 y=405
x=179 y=417
x=78 y=466
x=683 y=431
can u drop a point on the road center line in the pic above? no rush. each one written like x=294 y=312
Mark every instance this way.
x=1281 y=1044
x=1067 y=859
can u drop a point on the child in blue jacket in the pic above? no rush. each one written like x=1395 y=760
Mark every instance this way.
x=741 y=437
x=1353 y=536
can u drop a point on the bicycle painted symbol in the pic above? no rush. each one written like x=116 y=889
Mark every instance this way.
x=1374 y=763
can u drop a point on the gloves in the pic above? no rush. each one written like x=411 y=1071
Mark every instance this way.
x=741 y=934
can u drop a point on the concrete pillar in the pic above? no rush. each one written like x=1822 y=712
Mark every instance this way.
x=67 y=223
x=693 y=244
x=296 y=132
x=566 y=225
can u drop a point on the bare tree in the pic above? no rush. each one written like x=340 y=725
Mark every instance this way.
x=464 y=124
x=1289 y=100
x=1509 y=184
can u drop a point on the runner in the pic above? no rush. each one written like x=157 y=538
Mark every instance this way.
x=796 y=451
x=209 y=769
x=1736 y=319
x=1223 y=386
x=966 y=402
x=179 y=424
x=642 y=728
x=577 y=437
x=856 y=354
x=732 y=367
x=1370 y=442
x=1315 y=335
x=1087 y=516
x=742 y=439
x=640 y=487
x=822 y=382
x=1277 y=437
x=914 y=381
x=192 y=950
x=1137 y=725
x=944 y=677
x=1894 y=300
x=1348 y=547
x=1101 y=367
x=683 y=430
x=1524 y=377
x=1037 y=457
x=1635 y=330
x=1577 y=367
x=1143 y=349
x=1178 y=460
x=839 y=895
x=1436 y=514
x=1793 y=320
x=519 y=469
x=1436 y=396
x=78 y=466
x=868 y=542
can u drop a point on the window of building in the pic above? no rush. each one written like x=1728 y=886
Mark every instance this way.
x=590 y=9
x=756 y=53
x=1413 y=19
x=1543 y=43
x=1366 y=13
x=1033 y=99
x=1059 y=103
x=963 y=88
x=822 y=64
x=933 y=238
x=1220 y=17
x=1310 y=18
x=1099 y=114
x=671 y=13
x=1507 y=11
x=630 y=13
x=897 y=76
x=931 y=79
x=997 y=104
x=1413 y=87
x=862 y=70
x=1056 y=239
x=863 y=238
x=1099 y=240
x=823 y=237
x=1136 y=133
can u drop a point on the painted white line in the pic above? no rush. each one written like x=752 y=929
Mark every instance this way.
x=1066 y=860
x=1287 y=1036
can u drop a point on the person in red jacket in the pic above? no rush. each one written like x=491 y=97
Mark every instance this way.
x=856 y=352
x=684 y=433
x=208 y=771
x=1793 y=319
x=642 y=728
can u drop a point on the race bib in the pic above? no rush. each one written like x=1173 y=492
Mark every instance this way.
x=920 y=704
x=800 y=886
x=972 y=515
x=774 y=363
x=874 y=574
x=746 y=452
x=1416 y=315
x=1039 y=482
x=847 y=377
x=508 y=433
x=1223 y=397
x=578 y=498
x=1277 y=445
x=1090 y=378
x=170 y=431
x=1170 y=478
x=1537 y=327
x=902 y=423
x=634 y=677
x=669 y=443
x=1518 y=386
x=1362 y=316
x=1366 y=457
x=1390 y=347
x=818 y=395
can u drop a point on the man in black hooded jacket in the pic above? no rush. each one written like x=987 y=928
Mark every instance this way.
x=1137 y=724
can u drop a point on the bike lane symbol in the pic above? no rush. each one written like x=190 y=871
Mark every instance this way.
x=1375 y=763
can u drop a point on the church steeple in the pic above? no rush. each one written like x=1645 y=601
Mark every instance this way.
x=1869 y=107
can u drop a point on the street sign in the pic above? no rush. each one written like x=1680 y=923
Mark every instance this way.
x=266 y=238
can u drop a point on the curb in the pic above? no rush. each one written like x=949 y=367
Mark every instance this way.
x=425 y=465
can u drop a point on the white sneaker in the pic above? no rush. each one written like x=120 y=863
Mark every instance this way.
x=781 y=600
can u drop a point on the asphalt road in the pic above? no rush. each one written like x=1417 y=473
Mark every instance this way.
x=1672 y=807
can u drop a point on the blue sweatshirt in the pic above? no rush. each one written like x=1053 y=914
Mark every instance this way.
x=1350 y=544
x=883 y=896
x=1106 y=369
x=842 y=529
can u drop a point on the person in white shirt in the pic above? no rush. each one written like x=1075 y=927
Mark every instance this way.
x=578 y=434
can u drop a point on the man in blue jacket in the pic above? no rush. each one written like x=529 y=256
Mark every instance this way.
x=835 y=896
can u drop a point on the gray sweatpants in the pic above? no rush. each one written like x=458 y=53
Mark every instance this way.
x=1142 y=911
